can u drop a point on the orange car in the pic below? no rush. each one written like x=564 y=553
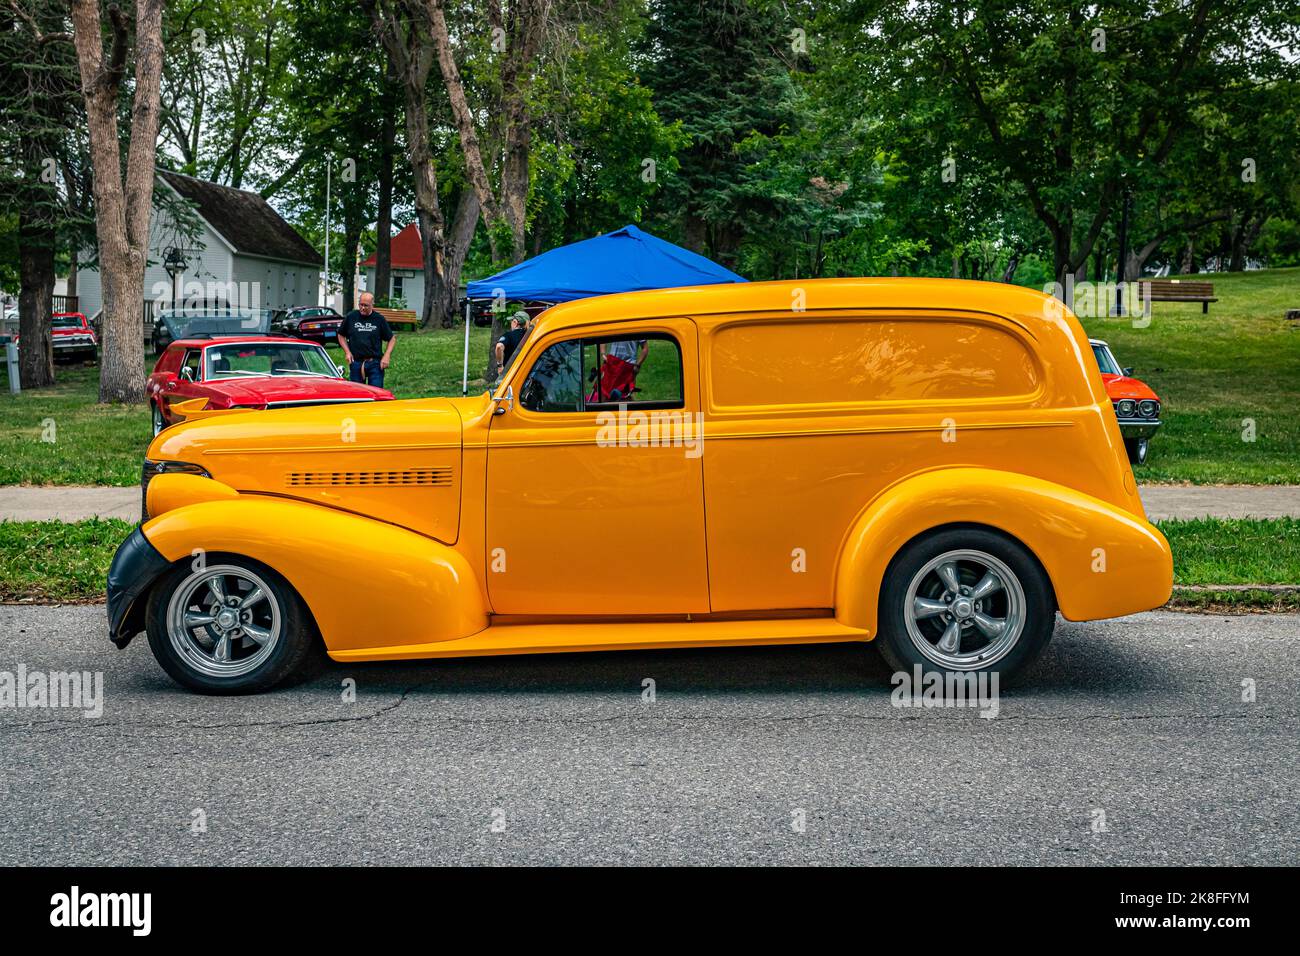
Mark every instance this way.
x=1136 y=406
x=929 y=465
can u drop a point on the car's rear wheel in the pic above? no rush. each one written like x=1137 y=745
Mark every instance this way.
x=965 y=600
x=1137 y=449
x=230 y=626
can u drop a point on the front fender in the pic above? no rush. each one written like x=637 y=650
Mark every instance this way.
x=1102 y=561
x=367 y=583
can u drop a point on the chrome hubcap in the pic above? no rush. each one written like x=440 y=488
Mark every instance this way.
x=964 y=610
x=223 y=622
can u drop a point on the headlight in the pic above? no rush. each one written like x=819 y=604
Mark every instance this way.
x=150 y=469
x=1148 y=408
x=1125 y=408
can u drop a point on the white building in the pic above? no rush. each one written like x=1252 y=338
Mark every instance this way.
x=244 y=252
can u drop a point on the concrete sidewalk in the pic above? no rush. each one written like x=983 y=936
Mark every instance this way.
x=23 y=503
x=68 y=503
x=1220 y=501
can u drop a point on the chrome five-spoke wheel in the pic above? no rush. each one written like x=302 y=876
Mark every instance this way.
x=964 y=610
x=223 y=621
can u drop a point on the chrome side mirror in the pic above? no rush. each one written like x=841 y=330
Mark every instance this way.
x=187 y=374
x=506 y=402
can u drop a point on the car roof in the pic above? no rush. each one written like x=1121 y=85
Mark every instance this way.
x=816 y=294
x=241 y=340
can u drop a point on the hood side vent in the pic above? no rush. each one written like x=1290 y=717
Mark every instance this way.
x=410 y=477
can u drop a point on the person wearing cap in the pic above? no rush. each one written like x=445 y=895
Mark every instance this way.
x=508 y=344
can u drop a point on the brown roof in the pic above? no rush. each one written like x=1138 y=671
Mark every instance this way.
x=244 y=219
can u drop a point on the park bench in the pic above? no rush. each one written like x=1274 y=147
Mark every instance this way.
x=1179 y=290
x=400 y=317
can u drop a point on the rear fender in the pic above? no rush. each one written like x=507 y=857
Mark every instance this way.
x=1102 y=561
x=367 y=583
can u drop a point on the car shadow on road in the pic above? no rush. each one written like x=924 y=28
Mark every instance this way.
x=1076 y=665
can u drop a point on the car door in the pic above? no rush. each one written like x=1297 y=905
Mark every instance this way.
x=595 y=502
x=181 y=388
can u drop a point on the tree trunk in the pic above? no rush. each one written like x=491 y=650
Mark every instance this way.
x=411 y=59
x=384 y=220
x=463 y=224
x=475 y=169
x=35 y=302
x=1189 y=259
x=506 y=218
x=1013 y=264
x=351 y=238
x=74 y=260
x=1242 y=238
x=123 y=205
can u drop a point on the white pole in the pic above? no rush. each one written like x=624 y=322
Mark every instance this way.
x=464 y=388
x=328 y=160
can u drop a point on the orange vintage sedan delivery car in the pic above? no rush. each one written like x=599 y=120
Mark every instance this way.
x=931 y=465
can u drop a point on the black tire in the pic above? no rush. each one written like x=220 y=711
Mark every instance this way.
x=1037 y=604
x=295 y=652
x=1137 y=450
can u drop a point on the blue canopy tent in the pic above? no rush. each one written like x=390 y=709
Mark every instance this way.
x=625 y=260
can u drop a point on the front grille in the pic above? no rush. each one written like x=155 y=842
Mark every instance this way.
x=410 y=477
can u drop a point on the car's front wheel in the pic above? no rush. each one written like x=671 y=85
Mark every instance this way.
x=965 y=600
x=1137 y=449
x=231 y=625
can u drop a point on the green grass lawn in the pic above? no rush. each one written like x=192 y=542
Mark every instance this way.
x=96 y=444
x=1214 y=372
x=50 y=561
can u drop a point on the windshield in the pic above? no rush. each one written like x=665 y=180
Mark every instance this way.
x=182 y=323
x=67 y=321
x=1105 y=361
x=240 y=360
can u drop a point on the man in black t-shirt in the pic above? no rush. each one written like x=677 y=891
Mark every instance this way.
x=367 y=342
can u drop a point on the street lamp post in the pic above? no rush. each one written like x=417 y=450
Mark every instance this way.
x=175 y=264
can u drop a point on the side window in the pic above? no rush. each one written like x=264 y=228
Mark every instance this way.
x=602 y=373
x=192 y=360
x=555 y=382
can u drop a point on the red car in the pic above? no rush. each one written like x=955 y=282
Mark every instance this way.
x=1136 y=406
x=317 y=323
x=249 y=371
x=72 y=337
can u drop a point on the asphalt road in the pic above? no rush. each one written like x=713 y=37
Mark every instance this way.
x=1140 y=718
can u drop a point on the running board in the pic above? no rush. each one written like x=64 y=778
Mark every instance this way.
x=612 y=636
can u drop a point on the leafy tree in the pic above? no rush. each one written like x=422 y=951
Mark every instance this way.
x=1067 y=103
x=123 y=190
x=39 y=116
x=717 y=69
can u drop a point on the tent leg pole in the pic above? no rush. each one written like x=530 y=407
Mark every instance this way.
x=464 y=388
